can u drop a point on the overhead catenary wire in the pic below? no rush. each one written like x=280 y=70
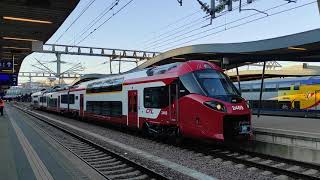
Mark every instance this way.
x=171 y=24
x=97 y=19
x=170 y=33
x=87 y=6
x=76 y=19
x=174 y=39
x=216 y=27
x=176 y=31
x=118 y=11
x=238 y=25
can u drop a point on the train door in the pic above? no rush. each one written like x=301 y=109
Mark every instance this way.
x=81 y=105
x=189 y=115
x=133 y=108
x=173 y=102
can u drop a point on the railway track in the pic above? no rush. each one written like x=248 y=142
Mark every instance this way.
x=269 y=165
x=107 y=163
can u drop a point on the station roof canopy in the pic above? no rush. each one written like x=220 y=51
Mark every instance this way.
x=24 y=21
x=301 y=47
x=300 y=70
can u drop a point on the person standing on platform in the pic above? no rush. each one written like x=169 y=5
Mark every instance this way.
x=1 y=106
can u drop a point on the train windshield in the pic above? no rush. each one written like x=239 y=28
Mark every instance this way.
x=215 y=83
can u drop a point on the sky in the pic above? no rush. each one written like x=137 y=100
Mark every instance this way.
x=155 y=25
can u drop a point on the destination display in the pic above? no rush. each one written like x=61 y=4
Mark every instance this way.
x=8 y=79
x=6 y=65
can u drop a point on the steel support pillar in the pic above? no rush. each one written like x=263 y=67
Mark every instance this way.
x=261 y=88
x=238 y=79
x=119 y=66
x=110 y=66
x=58 y=55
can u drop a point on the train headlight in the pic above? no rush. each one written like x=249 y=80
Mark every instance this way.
x=219 y=107
x=215 y=106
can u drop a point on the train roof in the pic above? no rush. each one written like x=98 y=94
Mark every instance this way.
x=137 y=75
x=37 y=93
x=171 y=70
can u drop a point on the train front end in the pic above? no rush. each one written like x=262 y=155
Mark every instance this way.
x=210 y=105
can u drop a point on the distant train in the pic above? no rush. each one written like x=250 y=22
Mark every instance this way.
x=298 y=94
x=192 y=99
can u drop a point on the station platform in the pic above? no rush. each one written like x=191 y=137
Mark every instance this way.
x=291 y=131
x=28 y=153
x=296 y=125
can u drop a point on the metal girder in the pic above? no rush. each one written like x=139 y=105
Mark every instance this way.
x=268 y=64
x=95 y=51
x=40 y=74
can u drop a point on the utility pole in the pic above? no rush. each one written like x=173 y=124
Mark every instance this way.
x=212 y=9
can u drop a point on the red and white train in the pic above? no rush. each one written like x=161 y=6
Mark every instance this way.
x=193 y=99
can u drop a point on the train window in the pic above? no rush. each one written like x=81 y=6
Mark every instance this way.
x=77 y=97
x=109 y=85
x=256 y=87
x=296 y=86
x=64 y=99
x=296 y=104
x=284 y=86
x=43 y=99
x=161 y=69
x=188 y=84
x=112 y=88
x=89 y=106
x=97 y=107
x=71 y=98
x=156 y=97
x=245 y=87
x=106 y=108
x=52 y=102
x=173 y=92
x=116 y=108
x=215 y=83
x=270 y=87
